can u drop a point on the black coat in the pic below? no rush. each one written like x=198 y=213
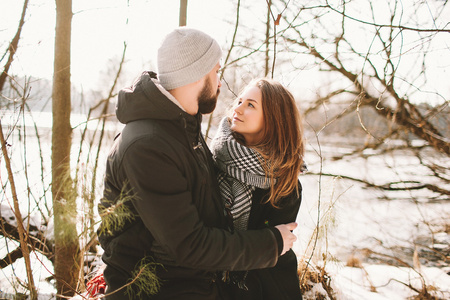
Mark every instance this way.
x=280 y=282
x=161 y=168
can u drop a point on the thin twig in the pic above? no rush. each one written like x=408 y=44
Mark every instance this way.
x=18 y=215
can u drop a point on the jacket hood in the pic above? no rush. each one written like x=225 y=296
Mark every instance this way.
x=144 y=100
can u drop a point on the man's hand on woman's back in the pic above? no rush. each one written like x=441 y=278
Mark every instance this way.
x=288 y=237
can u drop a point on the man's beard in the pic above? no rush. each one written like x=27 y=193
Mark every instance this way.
x=206 y=99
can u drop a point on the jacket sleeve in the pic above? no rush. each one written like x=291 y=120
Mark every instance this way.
x=165 y=205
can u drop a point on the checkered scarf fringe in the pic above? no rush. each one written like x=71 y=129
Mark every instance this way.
x=241 y=174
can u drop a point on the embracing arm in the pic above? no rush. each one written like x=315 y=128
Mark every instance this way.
x=164 y=203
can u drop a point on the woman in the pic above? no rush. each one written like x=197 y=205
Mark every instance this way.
x=259 y=151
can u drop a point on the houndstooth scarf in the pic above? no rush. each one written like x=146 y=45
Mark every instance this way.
x=241 y=173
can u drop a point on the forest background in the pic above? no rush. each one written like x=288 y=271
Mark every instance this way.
x=371 y=81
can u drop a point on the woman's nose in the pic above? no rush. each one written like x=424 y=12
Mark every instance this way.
x=237 y=109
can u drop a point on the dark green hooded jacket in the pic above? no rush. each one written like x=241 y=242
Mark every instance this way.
x=161 y=171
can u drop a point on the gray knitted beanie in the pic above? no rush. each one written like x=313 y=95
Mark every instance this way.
x=185 y=56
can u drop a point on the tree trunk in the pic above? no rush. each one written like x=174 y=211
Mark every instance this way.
x=67 y=250
x=183 y=12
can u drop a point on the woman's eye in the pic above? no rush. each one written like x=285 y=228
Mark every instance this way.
x=251 y=105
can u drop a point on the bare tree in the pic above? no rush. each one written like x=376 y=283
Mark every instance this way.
x=373 y=70
x=67 y=248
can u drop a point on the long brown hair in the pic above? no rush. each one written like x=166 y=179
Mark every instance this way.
x=282 y=143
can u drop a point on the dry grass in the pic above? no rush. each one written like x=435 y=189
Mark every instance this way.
x=354 y=262
x=310 y=276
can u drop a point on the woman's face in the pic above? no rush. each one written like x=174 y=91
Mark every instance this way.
x=248 y=117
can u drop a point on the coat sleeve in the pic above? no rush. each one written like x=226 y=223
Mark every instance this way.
x=165 y=205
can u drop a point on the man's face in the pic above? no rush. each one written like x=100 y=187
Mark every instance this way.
x=207 y=97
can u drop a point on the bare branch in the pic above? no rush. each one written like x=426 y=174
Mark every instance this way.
x=401 y=27
x=13 y=46
x=392 y=186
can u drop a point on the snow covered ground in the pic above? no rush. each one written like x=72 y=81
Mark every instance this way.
x=382 y=282
x=392 y=241
x=355 y=224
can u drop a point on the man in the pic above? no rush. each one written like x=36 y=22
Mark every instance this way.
x=161 y=211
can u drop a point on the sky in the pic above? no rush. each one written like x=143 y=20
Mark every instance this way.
x=99 y=30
